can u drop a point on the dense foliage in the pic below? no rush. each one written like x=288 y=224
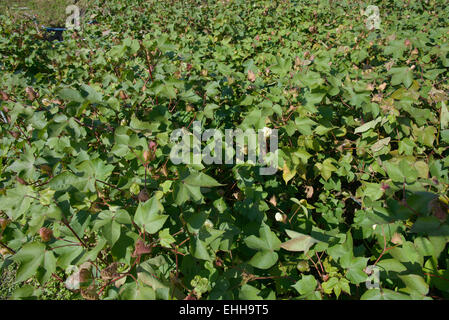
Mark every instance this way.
x=89 y=196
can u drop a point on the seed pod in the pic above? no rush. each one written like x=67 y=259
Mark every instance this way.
x=143 y=195
x=218 y=262
x=45 y=234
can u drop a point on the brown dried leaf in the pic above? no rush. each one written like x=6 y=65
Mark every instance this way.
x=146 y=155
x=110 y=272
x=141 y=248
x=273 y=200
x=251 y=76
x=396 y=238
x=309 y=192
x=31 y=94
x=89 y=293
x=4 y=96
x=439 y=209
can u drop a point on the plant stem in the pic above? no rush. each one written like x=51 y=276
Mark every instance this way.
x=74 y=233
x=6 y=247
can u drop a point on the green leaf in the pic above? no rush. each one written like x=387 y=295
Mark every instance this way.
x=111 y=232
x=332 y=284
x=70 y=95
x=16 y=201
x=414 y=283
x=264 y=259
x=201 y=180
x=30 y=257
x=149 y=215
x=368 y=125
x=248 y=292
x=326 y=168
x=306 y=284
x=383 y=294
x=401 y=75
x=402 y=171
x=166 y=238
x=298 y=242
x=49 y=267
x=266 y=244
x=380 y=144
x=355 y=269
x=304 y=125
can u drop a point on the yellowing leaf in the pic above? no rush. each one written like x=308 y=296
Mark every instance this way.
x=287 y=175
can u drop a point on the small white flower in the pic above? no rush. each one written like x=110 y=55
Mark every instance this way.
x=374 y=226
x=208 y=223
x=278 y=217
x=266 y=132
